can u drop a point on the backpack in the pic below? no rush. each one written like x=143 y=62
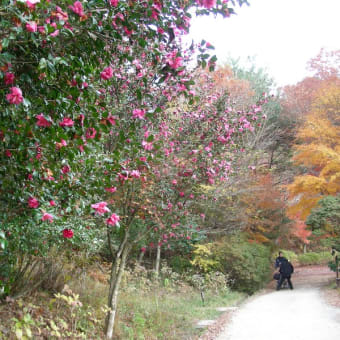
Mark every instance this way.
x=286 y=268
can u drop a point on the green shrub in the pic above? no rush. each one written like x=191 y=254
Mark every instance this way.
x=314 y=258
x=247 y=265
x=180 y=263
x=288 y=254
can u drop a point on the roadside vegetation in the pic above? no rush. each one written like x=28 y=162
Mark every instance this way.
x=143 y=185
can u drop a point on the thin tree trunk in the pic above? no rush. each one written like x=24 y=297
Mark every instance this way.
x=140 y=259
x=158 y=259
x=119 y=265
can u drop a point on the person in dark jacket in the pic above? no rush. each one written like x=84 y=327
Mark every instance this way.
x=279 y=259
x=286 y=270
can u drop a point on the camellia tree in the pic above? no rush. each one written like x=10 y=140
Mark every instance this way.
x=83 y=97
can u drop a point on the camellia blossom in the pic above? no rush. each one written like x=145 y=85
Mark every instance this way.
x=42 y=121
x=135 y=173
x=66 y=122
x=31 y=3
x=175 y=63
x=67 y=233
x=107 y=73
x=112 y=189
x=15 y=96
x=47 y=217
x=9 y=78
x=33 y=203
x=91 y=133
x=113 y=219
x=31 y=26
x=207 y=3
x=61 y=144
x=52 y=203
x=55 y=33
x=137 y=113
x=77 y=8
x=100 y=208
x=147 y=145
x=111 y=119
x=65 y=169
x=41 y=29
x=114 y=3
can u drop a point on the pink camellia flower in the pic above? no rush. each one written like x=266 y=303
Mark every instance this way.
x=111 y=119
x=176 y=62
x=127 y=31
x=137 y=113
x=135 y=173
x=31 y=3
x=52 y=203
x=15 y=96
x=42 y=121
x=33 y=203
x=114 y=3
x=107 y=73
x=55 y=33
x=67 y=233
x=143 y=249
x=91 y=133
x=100 y=208
x=65 y=169
x=147 y=145
x=9 y=78
x=207 y=3
x=112 y=189
x=8 y=153
x=113 y=220
x=31 y=26
x=66 y=122
x=77 y=8
x=47 y=217
x=41 y=29
x=60 y=14
x=61 y=144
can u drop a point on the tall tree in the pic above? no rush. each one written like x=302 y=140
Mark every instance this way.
x=318 y=152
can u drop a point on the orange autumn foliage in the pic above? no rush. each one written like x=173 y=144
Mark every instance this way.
x=264 y=208
x=299 y=229
x=318 y=149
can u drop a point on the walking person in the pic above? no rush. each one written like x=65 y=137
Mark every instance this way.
x=286 y=270
x=279 y=259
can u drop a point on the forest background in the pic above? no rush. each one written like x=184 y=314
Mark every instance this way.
x=135 y=170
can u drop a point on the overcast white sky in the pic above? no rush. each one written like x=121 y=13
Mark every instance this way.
x=282 y=34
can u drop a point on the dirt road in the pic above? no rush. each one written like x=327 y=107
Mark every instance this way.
x=299 y=314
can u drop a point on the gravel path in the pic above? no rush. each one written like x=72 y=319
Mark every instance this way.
x=299 y=314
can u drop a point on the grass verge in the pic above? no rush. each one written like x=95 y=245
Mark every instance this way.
x=155 y=311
